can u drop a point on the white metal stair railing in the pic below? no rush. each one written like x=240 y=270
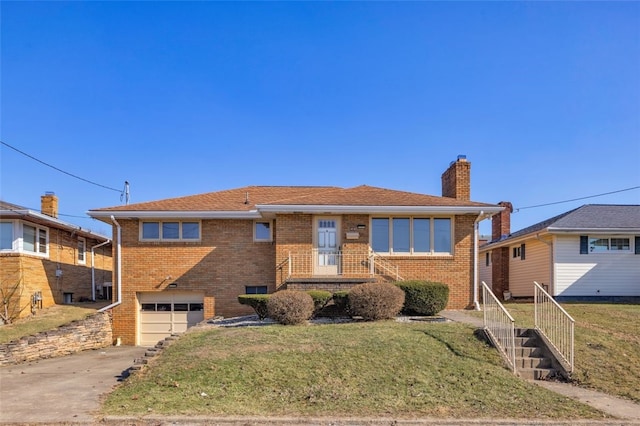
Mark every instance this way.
x=554 y=323
x=376 y=262
x=499 y=325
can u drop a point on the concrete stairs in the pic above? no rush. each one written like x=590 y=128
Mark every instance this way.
x=532 y=360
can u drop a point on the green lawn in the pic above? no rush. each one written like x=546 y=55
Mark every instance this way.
x=607 y=344
x=355 y=369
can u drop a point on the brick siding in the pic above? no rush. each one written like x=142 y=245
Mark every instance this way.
x=38 y=273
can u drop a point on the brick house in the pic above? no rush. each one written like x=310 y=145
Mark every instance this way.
x=45 y=261
x=185 y=259
x=588 y=253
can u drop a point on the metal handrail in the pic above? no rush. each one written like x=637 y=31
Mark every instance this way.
x=499 y=325
x=554 y=323
x=384 y=264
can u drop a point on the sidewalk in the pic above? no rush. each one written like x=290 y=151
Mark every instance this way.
x=614 y=406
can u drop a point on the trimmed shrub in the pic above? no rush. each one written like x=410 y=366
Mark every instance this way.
x=376 y=301
x=341 y=302
x=257 y=301
x=290 y=307
x=424 y=297
x=320 y=299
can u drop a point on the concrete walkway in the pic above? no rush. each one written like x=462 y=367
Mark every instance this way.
x=614 y=406
x=62 y=390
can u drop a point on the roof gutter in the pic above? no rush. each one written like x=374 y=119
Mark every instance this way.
x=93 y=269
x=49 y=220
x=482 y=216
x=593 y=230
x=174 y=214
x=301 y=208
x=118 y=267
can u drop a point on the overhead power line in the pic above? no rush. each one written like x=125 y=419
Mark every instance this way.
x=59 y=169
x=576 y=199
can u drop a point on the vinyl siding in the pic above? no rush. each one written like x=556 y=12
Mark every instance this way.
x=484 y=271
x=535 y=267
x=594 y=274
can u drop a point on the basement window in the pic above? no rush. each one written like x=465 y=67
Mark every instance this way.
x=255 y=289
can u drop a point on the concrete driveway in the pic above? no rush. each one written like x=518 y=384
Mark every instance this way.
x=62 y=390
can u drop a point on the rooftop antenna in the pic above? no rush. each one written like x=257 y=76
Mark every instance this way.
x=125 y=193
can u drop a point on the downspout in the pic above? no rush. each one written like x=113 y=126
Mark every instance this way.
x=476 y=303
x=118 y=267
x=550 y=245
x=93 y=269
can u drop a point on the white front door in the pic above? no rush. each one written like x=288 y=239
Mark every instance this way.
x=327 y=258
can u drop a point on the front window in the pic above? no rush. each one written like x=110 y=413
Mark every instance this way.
x=380 y=235
x=411 y=235
x=170 y=231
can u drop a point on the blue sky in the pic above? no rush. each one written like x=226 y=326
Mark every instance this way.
x=181 y=98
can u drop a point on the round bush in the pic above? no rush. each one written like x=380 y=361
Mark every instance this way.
x=375 y=301
x=290 y=307
x=424 y=297
x=320 y=299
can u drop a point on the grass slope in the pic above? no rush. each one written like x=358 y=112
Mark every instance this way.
x=356 y=369
x=607 y=344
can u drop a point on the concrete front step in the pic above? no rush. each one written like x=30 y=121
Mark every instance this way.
x=530 y=360
x=536 y=373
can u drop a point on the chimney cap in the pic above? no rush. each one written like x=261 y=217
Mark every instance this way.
x=49 y=193
x=462 y=157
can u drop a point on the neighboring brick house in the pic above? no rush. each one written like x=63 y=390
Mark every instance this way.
x=589 y=253
x=185 y=259
x=45 y=261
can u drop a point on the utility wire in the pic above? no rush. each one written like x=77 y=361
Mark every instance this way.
x=576 y=199
x=60 y=170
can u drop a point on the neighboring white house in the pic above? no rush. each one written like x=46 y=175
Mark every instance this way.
x=592 y=252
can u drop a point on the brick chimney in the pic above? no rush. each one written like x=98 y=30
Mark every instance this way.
x=49 y=204
x=456 y=180
x=501 y=222
x=500 y=228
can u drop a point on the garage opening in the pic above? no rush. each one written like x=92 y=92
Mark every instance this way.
x=164 y=314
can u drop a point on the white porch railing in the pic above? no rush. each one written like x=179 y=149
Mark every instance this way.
x=499 y=325
x=311 y=263
x=554 y=323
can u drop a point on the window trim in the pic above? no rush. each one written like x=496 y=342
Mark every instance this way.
x=585 y=244
x=432 y=236
x=518 y=252
x=37 y=249
x=180 y=231
x=262 y=240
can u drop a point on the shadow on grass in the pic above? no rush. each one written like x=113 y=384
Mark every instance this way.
x=446 y=342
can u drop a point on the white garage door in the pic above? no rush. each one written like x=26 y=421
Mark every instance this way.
x=164 y=314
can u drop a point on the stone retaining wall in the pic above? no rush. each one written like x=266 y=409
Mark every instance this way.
x=92 y=332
